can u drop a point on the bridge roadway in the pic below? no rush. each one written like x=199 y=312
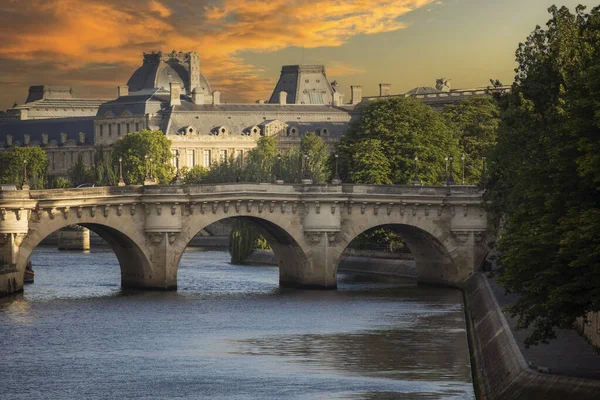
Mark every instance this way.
x=308 y=226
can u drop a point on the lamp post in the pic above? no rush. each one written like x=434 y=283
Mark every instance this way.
x=416 y=181
x=146 y=169
x=463 y=167
x=446 y=176
x=278 y=179
x=307 y=180
x=151 y=170
x=25 y=185
x=451 y=176
x=121 y=181
x=336 y=180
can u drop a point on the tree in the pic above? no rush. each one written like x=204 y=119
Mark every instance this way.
x=475 y=121
x=81 y=173
x=105 y=170
x=370 y=164
x=261 y=160
x=194 y=175
x=318 y=157
x=134 y=147
x=12 y=166
x=405 y=128
x=544 y=182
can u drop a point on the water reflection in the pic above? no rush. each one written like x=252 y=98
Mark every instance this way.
x=228 y=332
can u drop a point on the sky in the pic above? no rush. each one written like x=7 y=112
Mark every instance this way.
x=95 y=45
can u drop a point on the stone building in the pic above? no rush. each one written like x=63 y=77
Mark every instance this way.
x=170 y=93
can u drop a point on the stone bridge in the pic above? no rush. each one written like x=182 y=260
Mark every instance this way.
x=308 y=226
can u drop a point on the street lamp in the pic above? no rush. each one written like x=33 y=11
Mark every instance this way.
x=177 y=179
x=463 y=168
x=416 y=180
x=147 y=177
x=121 y=181
x=278 y=179
x=336 y=179
x=307 y=180
x=25 y=185
x=151 y=169
x=451 y=177
x=446 y=176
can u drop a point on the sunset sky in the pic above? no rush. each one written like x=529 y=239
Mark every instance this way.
x=95 y=45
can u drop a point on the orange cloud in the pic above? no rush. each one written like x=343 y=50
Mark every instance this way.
x=73 y=35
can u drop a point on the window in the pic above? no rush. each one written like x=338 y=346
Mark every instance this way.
x=109 y=129
x=207 y=158
x=173 y=159
x=101 y=130
x=127 y=128
x=137 y=126
x=222 y=155
x=190 y=158
x=118 y=129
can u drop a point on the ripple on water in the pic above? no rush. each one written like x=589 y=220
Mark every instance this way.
x=228 y=332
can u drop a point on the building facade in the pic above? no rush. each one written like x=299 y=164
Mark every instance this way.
x=170 y=93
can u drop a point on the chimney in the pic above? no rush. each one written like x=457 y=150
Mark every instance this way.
x=24 y=113
x=355 y=95
x=81 y=138
x=44 y=138
x=123 y=91
x=283 y=98
x=175 y=94
x=260 y=102
x=197 y=96
x=338 y=99
x=26 y=139
x=385 y=89
x=216 y=98
x=63 y=138
x=9 y=141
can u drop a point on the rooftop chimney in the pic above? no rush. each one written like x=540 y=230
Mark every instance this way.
x=385 y=89
x=338 y=99
x=197 y=96
x=26 y=139
x=175 y=94
x=282 y=98
x=216 y=98
x=122 y=91
x=355 y=95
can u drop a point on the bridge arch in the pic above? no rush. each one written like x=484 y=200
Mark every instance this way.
x=123 y=239
x=433 y=260
x=284 y=238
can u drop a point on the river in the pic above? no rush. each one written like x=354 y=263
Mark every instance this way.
x=228 y=332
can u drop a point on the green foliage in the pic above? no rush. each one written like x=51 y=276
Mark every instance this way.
x=544 y=183
x=194 y=175
x=243 y=239
x=133 y=147
x=12 y=162
x=61 y=183
x=405 y=128
x=106 y=170
x=475 y=121
x=260 y=163
x=382 y=238
x=81 y=173
x=318 y=157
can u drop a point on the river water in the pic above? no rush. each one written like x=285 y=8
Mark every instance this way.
x=229 y=332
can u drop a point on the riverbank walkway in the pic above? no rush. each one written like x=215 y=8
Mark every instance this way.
x=569 y=354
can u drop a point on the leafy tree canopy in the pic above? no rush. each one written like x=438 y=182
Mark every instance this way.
x=544 y=181
x=133 y=147
x=12 y=163
x=400 y=129
x=475 y=121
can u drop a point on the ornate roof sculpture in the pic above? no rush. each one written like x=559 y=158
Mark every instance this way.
x=160 y=69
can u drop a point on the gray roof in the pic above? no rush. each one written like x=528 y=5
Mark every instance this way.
x=304 y=84
x=135 y=104
x=240 y=117
x=52 y=127
x=423 y=90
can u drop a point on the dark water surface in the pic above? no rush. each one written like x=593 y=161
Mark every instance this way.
x=229 y=332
